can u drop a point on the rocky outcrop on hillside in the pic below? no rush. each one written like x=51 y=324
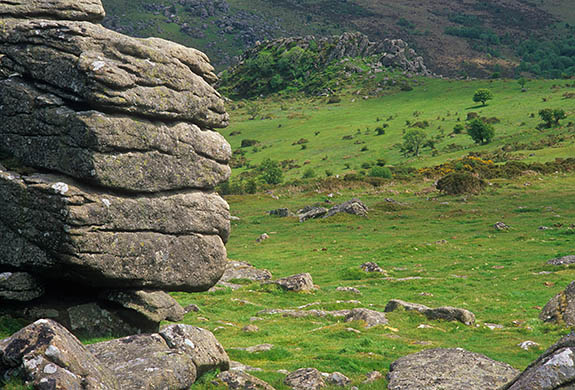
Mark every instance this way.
x=108 y=163
x=48 y=356
x=394 y=53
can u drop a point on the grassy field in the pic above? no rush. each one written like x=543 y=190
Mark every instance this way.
x=442 y=103
x=500 y=276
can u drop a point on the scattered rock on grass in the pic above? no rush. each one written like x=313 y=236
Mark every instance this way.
x=565 y=260
x=305 y=379
x=561 y=308
x=283 y=212
x=338 y=379
x=352 y=290
x=299 y=282
x=311 y=213
x=373 y=376
x=250 y=329
x=501 y=226
x=444 y=313
x=448 y=369
x=527 y=345
x=370 y=317
x=262 y=237
x=370 y=266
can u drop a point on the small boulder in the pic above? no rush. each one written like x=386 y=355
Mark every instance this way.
x=501 y=226
x=371 y=266
x=373 y=376
x=527 y=345
x=448 y=369
x=19 y=286
x=565 y=260
x=282 y=213
x=561 y=308
x=370 y=317
x=305 y=379
x=242 y=270
x=352 y=290
x=299 y=282
x=446 y=313
x=338 y=379
x=262 y=237
x=239 y=380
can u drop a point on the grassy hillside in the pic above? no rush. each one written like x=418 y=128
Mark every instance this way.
x=457 y=38
x=342 y=138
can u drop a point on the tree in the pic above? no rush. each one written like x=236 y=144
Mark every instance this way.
x=271 y=172
x=413 y=140
x=253 y=110
x=551 y=117
x=480 y=131
x=482 y=95
x=522 y=81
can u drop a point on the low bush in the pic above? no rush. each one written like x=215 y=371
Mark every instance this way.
x=460 y=183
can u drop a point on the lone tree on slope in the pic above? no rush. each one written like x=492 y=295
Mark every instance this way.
x=480 y=131
x=482 y=95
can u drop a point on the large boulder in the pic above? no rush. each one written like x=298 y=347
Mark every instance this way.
x=68 y=230
x=112 y=150
x=47 y=356
x=154 y=306
x=92 y=66
x=553 y=370
x=448 y=369
x=305 y=379
x=89 y=10
x=561 y=308
x=146 y=362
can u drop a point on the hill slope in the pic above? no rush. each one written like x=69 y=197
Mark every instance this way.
x=456 y=38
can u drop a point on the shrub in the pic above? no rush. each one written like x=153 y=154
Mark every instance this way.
x=382 y=172
x=308 y=173
x=381 y=162
x=365 y=165
x=460 y=183
x=472 y=115
x=333 y=99
x=364 y=149
x=458 y=129
x=379 y=131
x=328 y=173
x=271 y=173
x=481 y=132
x=246 y=143
x=300 y=141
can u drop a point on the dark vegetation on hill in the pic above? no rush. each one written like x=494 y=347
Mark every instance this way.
x=478 y=38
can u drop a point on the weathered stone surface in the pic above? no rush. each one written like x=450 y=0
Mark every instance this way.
x=110 y=150
x=94 y=320
x=553 y=370
x=370 y=317
x=565 y=260
x=155 y=306
x=19 y=286
x=238 y=380
x=353 y=206
x=242 y=270
x=305 y=313
x=89 y=10
x=448 y=369
x=305 y=379
x=447 y=313
x=561 y=308
x=200 y=344
x=50 y=357
x=91 y=65
x=299 y=282
x=66 y=230
x=338 y=379
x=371 y=266
x=146 y=362
x=282 y=213
x=311 y=213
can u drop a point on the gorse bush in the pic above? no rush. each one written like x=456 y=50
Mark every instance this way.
x=460 y=183
x=382 y=172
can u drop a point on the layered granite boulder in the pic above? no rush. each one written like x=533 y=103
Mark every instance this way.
x=108 y=164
